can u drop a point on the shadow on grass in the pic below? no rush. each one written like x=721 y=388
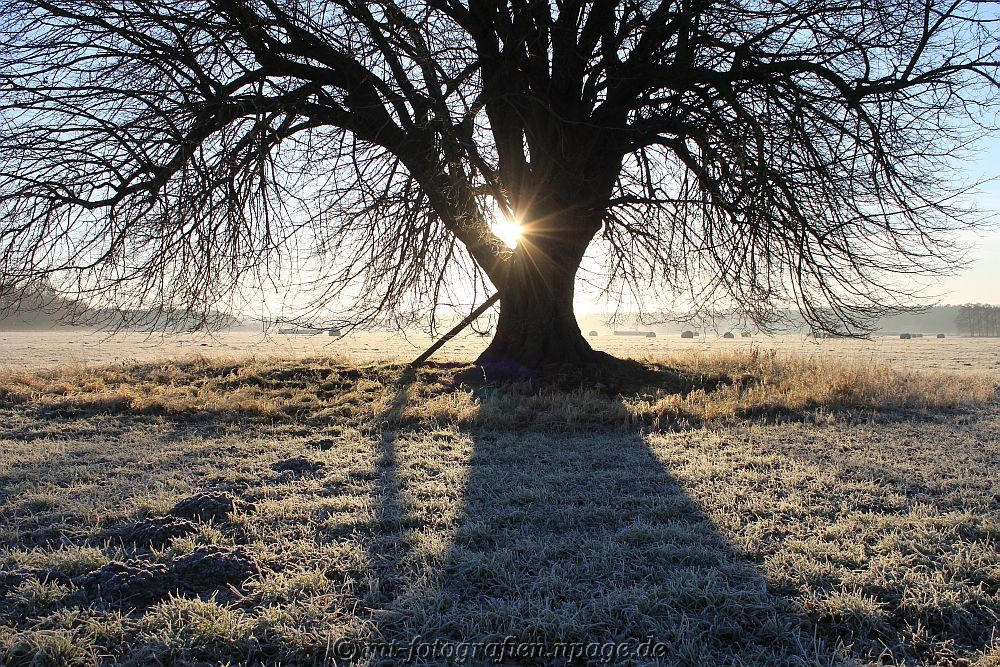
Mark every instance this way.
x=567 y=546
x=611 y=377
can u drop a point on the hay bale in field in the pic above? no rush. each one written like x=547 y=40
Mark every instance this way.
x=687 y=334
x=940 y=335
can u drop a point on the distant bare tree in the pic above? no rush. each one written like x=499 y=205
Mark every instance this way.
x=765 y=153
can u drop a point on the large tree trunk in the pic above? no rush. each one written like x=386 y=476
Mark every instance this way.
x=537 y=328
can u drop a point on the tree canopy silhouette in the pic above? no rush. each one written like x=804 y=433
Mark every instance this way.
x=768 y=153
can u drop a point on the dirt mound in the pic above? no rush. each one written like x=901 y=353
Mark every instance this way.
x=323 y=444
x=217 y=505
x=138 y=581
x=212 y=567
x=298 y=465
x=157 y=531
x=143 y=582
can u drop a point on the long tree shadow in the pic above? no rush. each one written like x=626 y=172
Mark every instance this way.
x=554 y=537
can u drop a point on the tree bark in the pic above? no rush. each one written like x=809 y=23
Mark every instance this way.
x=537 y=328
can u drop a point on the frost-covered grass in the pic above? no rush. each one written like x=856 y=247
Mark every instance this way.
x=737 y=508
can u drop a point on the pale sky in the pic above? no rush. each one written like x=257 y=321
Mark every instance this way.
x=979 y=281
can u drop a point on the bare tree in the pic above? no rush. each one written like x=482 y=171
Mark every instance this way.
x=769 y=153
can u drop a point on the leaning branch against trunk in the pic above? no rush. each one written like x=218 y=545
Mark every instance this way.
x=457 y=329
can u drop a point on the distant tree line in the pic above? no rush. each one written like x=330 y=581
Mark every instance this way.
x=979 y=319
x=31 y=306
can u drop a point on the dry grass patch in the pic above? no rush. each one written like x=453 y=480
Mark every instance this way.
x=762 y=383
x=686 y=388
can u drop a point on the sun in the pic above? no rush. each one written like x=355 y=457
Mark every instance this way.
x=507 y=230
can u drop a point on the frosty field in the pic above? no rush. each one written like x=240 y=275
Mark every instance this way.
x=33 y=350
x=732 y=502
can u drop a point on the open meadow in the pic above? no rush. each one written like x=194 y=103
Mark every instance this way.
x=722 y=503
x=28 y=350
